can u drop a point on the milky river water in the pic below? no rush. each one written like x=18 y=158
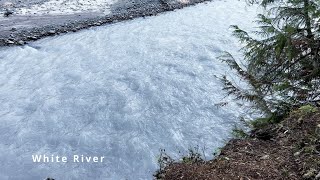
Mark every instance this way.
x=122 y=91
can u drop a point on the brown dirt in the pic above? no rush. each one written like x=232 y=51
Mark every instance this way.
x=292 y=152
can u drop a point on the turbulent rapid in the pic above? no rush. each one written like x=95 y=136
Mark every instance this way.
x=122 y=91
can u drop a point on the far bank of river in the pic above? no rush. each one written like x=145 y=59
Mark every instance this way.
x=18 y=30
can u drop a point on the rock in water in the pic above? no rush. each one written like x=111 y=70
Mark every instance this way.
x=9 y=41
x=7 y=13
x=21 y=42
x=52 y=32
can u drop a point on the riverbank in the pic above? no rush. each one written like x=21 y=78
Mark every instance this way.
x=20 y=29
x=289 y=150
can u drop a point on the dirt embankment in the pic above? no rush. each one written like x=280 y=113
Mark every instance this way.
x=20 y=29
x=289 y=150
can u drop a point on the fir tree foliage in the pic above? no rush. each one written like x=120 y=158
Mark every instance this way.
x=282 y=65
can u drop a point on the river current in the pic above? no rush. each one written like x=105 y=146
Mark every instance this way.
x=123 y=91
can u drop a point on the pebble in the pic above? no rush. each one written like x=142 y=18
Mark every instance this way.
x=9 y=41
x=297 y=153
x=32 y=37
x=265 y=157
x=309 y=174
x=21 y=42
x=51 y=32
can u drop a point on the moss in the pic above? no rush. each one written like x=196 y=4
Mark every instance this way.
x=260 y=123
x=239 y=133
x=306 y=110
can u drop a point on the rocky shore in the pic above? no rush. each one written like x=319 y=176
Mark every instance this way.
x=21 y=29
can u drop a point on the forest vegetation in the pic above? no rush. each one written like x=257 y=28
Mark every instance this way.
x=281 y=66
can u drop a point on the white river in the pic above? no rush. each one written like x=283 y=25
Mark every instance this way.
x=122 y=91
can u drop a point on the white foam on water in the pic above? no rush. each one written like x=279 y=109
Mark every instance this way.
x=123 y=91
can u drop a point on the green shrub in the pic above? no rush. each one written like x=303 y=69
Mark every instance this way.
x=239 y=133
